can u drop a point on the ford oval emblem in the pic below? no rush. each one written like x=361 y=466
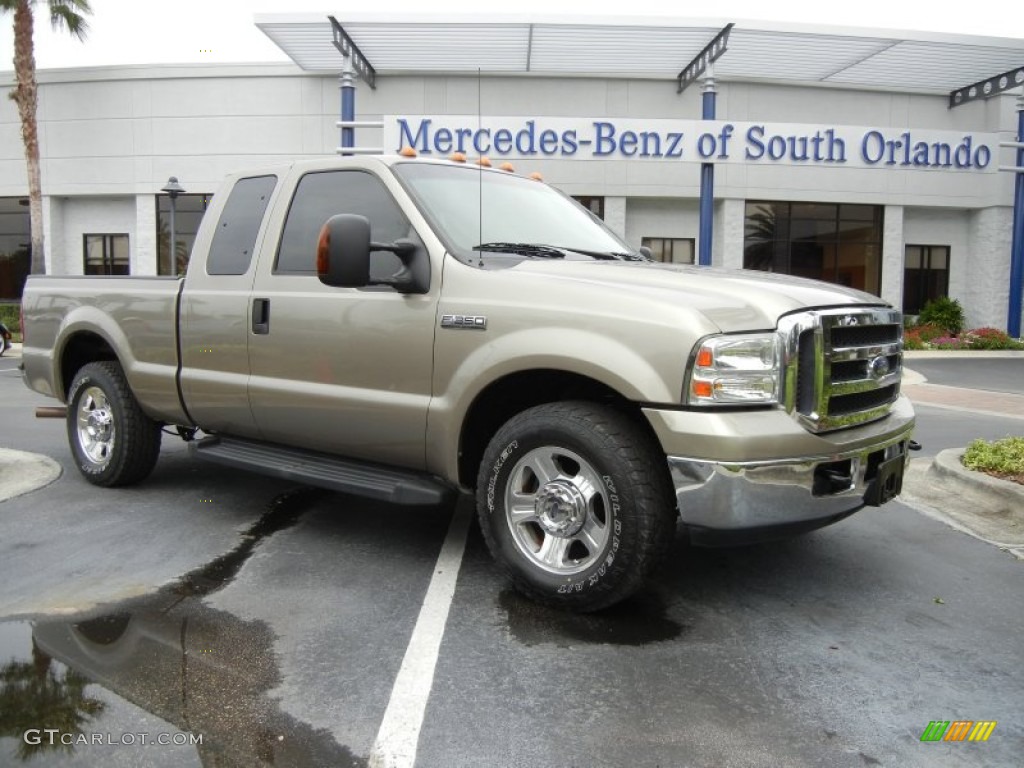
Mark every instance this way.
x=878 y=367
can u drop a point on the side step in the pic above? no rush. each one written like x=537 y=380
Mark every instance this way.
x=326 y=471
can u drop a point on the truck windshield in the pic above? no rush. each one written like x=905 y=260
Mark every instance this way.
x=484 y=214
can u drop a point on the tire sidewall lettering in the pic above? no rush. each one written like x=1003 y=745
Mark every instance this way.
x=492 y=483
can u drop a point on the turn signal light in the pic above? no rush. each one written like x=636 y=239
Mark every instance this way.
x=705 y=358
x=703 y=389
x=323 y=256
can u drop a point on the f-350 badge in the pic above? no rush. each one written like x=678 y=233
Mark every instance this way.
x=465 y=322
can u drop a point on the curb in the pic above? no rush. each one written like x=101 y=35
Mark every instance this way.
x=986 y=507
x=942 y=354
x=22 y=472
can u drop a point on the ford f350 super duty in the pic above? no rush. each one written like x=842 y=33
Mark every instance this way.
x=406 y=329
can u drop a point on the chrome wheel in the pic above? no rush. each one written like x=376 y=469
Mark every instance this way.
x=96 y=432
x=557 y=510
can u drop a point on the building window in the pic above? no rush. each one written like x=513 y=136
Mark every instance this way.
x=188 y=213
x=673 y=250
x=15 y=246
x=593 y=204
x=835 y=242
x=106 y=254
x=925 y=276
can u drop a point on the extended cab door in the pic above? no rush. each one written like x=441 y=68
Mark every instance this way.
x=214 y=321
x=343 y=370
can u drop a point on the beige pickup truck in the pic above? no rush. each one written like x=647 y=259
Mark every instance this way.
x=406 y=329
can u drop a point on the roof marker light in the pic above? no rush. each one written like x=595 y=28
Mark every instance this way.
x=407 y=152
x=457 y=157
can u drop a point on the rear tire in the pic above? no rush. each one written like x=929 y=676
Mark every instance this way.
x=114 y=443
x=575 y=504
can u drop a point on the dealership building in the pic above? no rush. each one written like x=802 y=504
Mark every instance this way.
x=869 y=158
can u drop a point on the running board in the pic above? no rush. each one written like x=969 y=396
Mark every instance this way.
x=326 y=471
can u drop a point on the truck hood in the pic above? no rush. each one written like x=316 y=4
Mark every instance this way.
x=733 y=299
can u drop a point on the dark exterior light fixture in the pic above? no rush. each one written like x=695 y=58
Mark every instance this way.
x=173 y=189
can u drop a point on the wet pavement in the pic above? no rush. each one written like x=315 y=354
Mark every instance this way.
x=272 y=622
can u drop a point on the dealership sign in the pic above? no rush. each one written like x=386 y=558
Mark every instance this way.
x=697 y=141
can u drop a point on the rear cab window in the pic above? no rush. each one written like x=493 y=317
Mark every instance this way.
x=234 y=241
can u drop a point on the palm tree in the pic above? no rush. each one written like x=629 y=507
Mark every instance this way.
x=64 y=14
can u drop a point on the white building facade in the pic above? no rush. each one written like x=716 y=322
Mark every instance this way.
x=892 y=192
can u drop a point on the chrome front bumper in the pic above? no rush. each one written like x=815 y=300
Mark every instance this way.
x=762 y=499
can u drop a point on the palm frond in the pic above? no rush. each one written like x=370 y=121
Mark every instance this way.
x=70 y=15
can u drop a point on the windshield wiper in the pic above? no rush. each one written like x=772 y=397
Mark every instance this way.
x=526 y=249
x=556 y=251
x=606 y=255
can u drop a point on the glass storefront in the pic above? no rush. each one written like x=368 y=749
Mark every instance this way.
x=15 y=246
x=188 y=213
x=835 y=242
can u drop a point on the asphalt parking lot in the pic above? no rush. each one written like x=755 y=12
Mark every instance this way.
x=287 y=627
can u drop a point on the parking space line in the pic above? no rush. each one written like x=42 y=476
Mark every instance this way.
x=397 y=739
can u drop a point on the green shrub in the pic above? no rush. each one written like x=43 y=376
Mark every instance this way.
x=1000 y=457
x=945 y=313
x=10 y=316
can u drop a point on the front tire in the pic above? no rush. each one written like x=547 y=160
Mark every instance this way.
x=575 y=504
x=114 y=443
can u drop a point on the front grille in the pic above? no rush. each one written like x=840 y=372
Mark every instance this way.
x=843 y=405
x=864 y=335
x=842 y=366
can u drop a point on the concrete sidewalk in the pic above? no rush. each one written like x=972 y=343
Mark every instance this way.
x=919 y=390
x=985 y=507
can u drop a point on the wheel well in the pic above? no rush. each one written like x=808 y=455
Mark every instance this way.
x=82 y=348
x=516 y=392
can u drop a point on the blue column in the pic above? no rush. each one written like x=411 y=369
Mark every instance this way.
x=707 y=179
x=1017 y=252
x=348 y=104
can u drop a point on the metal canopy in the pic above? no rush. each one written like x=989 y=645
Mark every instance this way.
x=644 y=48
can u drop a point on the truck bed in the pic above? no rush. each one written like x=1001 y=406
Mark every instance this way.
x=137 y=316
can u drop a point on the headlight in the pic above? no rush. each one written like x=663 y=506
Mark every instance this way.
x=735 y=370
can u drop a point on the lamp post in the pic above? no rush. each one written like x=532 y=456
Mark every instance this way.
x=173 y=189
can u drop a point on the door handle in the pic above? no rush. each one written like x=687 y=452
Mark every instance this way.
x=261 y=316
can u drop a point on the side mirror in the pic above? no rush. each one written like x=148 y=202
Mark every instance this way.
x=646 y=252
x=343 y=257
x=343 y=252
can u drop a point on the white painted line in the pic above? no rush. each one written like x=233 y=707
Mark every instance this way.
x=399 y=734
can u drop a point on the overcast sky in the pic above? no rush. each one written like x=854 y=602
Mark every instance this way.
x=151 y=32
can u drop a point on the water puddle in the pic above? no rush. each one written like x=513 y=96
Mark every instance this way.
x=638 y=621
x=162 y=680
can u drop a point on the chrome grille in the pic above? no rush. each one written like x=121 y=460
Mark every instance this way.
x=842 y=366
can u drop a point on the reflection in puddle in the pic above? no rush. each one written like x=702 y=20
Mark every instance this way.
x=38 y=694
x=203 y=671
x=637 y=621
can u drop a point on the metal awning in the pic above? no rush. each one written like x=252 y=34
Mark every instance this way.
x=646 y=48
